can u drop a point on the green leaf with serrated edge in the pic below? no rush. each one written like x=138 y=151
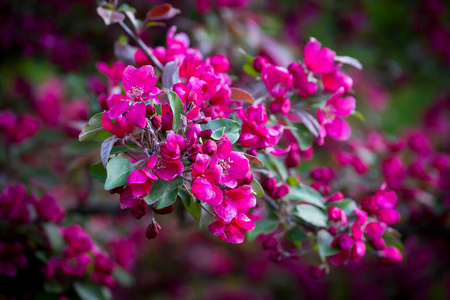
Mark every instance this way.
x=324 y=239
x=347 y=205
x=311 y=214
x=262 y=227
x=218 y=133
x=302 y=134
x=167 y=199
x=296 y=235
x=122 y=276
x=98 y=171
x=193 y=208
x=257 y=188
x=306 y=194
x=177 y=109
x=88 y=290
x=118 y=170
x=250 y=70
x=232 y=128
x=93 y=130
x=54 y=237
x=159 y=187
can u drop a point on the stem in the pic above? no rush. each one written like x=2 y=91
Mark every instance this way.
x=141 y=45
x=204 y=208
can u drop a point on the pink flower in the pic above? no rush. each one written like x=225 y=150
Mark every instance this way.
x=301 y=84
x=14 y=205
x=219 y=62
x=140 y=84
x=234 y=200
x=77 y=239
x=168 y=169
x=234 y=164
x=120 y=128
x=12 y=258
x=137 y=115
x=76 y=265
x=394 y=172
x=317 y=59
x=335 y=80
x=204 y=180
x=48 y=209
x=277 y=80
x=140 y=182
x=233 y=232
x=375 y=229
x=337 y=214
x=388 y=215
x=390 y=256
x=114 y=73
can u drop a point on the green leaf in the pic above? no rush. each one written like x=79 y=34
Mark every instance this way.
x=292 y=181
x=306 y=194
x=311 y=214
x=122 y=276
x=160 y=187
x=257 y=188
x=262 y=227
x=392 y=240
x=296 y=235
x=118 y=170
x=93 y=130
x=98 y=171
x=347 y=205
x=88 y=290
x=218 y=133
x=249 y=58
x=54 y=236
x=302 y=134
x=125 y=7
x=250 y=70
x=167 y=199
x=232 y=128
x=118 y=149
x=193 y=208
x=280 y=166
x=358 y=115
x=158 y=109
x=177 y=109
x=53 y=287
x=324 y=239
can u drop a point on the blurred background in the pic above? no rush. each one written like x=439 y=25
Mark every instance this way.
x=48 y=72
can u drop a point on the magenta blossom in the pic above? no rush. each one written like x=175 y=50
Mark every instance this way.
x=204 y=180
x=140 y=182
x=277 y=80
x=234 y=164
x=234 y=200
x=140 y=84
x=233 y=232
x=48 y=209
x=168 y=169
x=335 y=80
x=120 y=127
x=317 y=59
x=302 y=85
x=114 y=73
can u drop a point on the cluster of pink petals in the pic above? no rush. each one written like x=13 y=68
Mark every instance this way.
x=254 y=134
x=17 y=129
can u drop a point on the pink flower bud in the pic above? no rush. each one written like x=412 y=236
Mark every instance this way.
x=336 y=197
x=167 y=121
x=337 y=214
x=220 y=63
x=375 y=229
x=206 y=134
x=247 y=179
x=282 y=105
x=378 y=243
x=275 y=256
x=209 y=147
x=369 y=204
x=270 y=243
x=157 y=121
x=260 y=63
x=281 y=191
x=316 y=272
x=152 y=230
x=390 y=256
x=150 y=110
x=358 y=251
x=334 y=80
x=388 y=215
x=139 y=209
x=170 y=151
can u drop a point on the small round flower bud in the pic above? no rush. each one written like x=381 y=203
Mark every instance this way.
x=164 y=211
x=259 y=63
x=270 y=243
x=247 y=179
x=157 y=121
x=275 y=256
x=219 y=62
x=150 y=110
x=139 y=209
x=152 y=230
x=206 y=134
x=316 y=272
x=209 y=147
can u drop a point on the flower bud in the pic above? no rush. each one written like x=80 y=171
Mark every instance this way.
x=247 y=179
x=390 y=256
x=281 y=191
x=139 y=209
x=259 y=63
x=206 y=134
x=358 y=251
x=378 y=243
x=150 y=110
x=219 y=62
x=388 y=215
x=170 y=151
x=209 y=147
x=167 y=121
x=152 y=230
x=164 y=211
x=316 y=272
x=336 y=197
x=270 y=243
x=157 y=121
x=195 y=149
x=375 y=229
x=275 y=256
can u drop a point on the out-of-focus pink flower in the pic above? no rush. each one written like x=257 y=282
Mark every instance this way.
x=337 y=214
x=114 y=73
x=390 y=256
x=277 y=80
x=14 y=205
x=318 y=60
x=301 y=84
x=337 y=79
x=234 y=200
x=48 y=209
x=393 y=171
x=12 y=259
